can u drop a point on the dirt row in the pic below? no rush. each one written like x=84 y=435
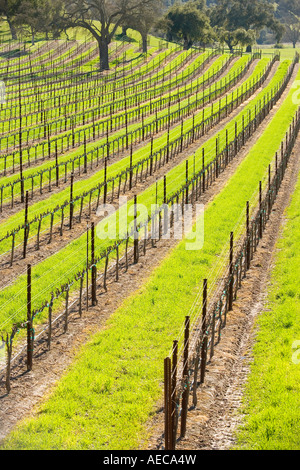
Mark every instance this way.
x=213 y=424
x=36 y=191
x=46 y=250
x=31 y=142
x=30 y=389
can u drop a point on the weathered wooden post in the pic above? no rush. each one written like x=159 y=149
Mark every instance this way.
x=167 y=402
x=204 y=336
x=185 y=394
x=230 y=297
x=29 y=321
x=135 y=234
x=71 y=201
x=94 y=268
x=25 y=225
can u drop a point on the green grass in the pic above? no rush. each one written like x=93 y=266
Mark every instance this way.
x=236 y=68
x=33 y=134
x=287 y=52
x=107 y=395
x=64 y=92
x=113 y=169
x=272 y=397
x=43 y=87
x=81 y=105
x=56 y=266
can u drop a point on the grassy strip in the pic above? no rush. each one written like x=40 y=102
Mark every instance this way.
x=160 y=142
x=105 y=399
x=79 y=108
x=66 y=90
x=115 y=168
x=272 y=397
x=43 y=87
x=120 y=81
x=189 y=100
x=12 y=297
x=31 y=133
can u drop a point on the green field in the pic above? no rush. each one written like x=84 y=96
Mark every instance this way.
x=119 y=371
x=206 y=106
x=271 y=399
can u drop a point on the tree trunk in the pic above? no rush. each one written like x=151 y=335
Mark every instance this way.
x=169 y=37
x=124 y=30
x=230 y=46
x=103 y=52
x=12 y=28
x=8 y=366
x=185 y=43
x=145 y=43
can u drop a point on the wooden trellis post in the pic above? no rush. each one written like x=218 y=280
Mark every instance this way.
x=25 y=225
x=174 y=414
x=204 y=336
x=71 y=201
x=29 y=321
x=260 y=211
x=94 y=268
x=105 y=181
x=248 y=254
x=167 y=400
x=230 y=296
x=185 y=394
x=135 y=233
x=186 y=181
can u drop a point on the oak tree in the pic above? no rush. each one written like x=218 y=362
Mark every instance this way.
x=188 y=22
x=102 y=19
x=241 y=21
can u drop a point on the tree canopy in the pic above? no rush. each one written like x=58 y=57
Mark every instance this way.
x=233 y=22
x=40 y=16
x=9 y=9
x=188 y=22
x=143 y=19
x=240 y=21
x=101 y=18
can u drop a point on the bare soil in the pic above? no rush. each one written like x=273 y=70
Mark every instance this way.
x=37 y=140
x=213 y=424
x=58 y=242
x=208 y=422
